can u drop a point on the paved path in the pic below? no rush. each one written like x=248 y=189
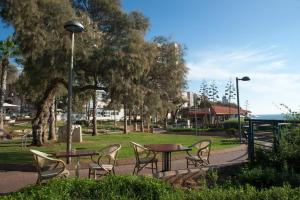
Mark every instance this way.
x=11 y=181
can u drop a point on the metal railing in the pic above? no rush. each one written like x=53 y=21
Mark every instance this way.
x=266 y=134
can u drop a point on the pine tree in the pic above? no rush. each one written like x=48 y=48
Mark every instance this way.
x=230 y=92
x=213 y=91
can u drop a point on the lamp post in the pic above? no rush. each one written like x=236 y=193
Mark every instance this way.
x=245 y=78
x=72 y=27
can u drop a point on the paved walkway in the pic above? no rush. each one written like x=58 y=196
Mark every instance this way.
x=11 y=181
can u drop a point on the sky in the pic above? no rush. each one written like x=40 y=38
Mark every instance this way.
x=226 y=39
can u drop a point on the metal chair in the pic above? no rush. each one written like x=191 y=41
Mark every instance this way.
x=143 y=157
x=110 y=153
x=201 y=158
x=48 y=167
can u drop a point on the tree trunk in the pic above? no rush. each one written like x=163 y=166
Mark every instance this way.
x=21 y=105
x=148 y=124
x=55 y=116
x=52 y=131
x=135 y=123
x=115 y=120
x=86 y=111
x=94 y=113
x=142 y=119
x=129 y=116
x=166 y=120
x=4 y=65
x=125 y=119
x=39 y=123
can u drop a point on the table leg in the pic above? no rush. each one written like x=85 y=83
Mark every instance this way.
x=77 y=167
x=166 y=161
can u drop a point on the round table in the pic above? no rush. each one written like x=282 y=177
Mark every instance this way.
x=166 y=150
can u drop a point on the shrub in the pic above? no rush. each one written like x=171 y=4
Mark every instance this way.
x=289 y=149
x=245 y=193
x=133 y=187
x=232 y=124
x=109 y=187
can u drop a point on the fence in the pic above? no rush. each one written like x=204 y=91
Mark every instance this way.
x=266 y=134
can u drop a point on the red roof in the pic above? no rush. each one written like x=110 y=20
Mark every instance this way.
x=226 y=110
x=218 y=110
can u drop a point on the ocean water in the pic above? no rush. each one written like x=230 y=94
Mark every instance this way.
x=269 y=116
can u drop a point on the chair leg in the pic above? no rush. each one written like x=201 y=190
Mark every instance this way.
x=38 y=181
x=187 y=163
x=134 y=170
x=113 y=171
x=89 y=173
x=152 y=168
x=95 y=174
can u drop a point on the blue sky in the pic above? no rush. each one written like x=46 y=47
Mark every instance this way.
x=230 y=38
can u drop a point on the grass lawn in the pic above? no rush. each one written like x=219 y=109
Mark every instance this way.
x=11 y=152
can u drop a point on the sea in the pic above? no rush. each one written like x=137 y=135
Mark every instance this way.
x=269 y=116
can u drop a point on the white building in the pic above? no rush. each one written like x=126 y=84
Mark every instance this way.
x=189 y=97
x=102 y=112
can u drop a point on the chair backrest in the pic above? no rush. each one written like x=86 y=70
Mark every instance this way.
x=203 y=147
x=111 y=152
x=139 y=150
x=41 y=159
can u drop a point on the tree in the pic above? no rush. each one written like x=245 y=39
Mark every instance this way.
x=8 y=49
x=230 y=91
x=213 y=91
x=44 y=45
x=204 y=90
x=165 y=80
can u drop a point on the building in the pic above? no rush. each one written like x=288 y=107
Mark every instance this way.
x=216 y=113
x=190 y=98
x=103 y=113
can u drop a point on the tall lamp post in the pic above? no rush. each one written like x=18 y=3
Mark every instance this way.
x=245 y=78
x=73 y=27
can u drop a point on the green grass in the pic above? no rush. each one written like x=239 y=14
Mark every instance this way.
x=11 y=152
x=22 y=126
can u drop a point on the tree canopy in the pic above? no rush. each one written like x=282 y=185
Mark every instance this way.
x=146 y=77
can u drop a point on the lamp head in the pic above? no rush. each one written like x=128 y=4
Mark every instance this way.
x=245 y=78
x=74 y=26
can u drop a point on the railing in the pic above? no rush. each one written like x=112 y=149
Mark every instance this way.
x=265 y=134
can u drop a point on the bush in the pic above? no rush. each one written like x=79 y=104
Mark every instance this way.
x=289 y=149
x=287 y=156
x=110 y=187
x=84 y=123
x=266 y=177
x=245 y=193
x=232 y=124
x=134 y=187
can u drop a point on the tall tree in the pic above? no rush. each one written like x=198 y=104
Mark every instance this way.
x=230 y=93
x=8 y=49
x=213 y=91
x=165 y=80
x=204 y=89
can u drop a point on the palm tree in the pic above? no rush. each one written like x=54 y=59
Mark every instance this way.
x=8 y=49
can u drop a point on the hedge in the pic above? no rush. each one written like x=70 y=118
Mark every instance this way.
x=232 y=124
x=134 y=187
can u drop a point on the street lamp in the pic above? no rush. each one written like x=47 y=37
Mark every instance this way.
x=245 y=78
x=72 y=27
